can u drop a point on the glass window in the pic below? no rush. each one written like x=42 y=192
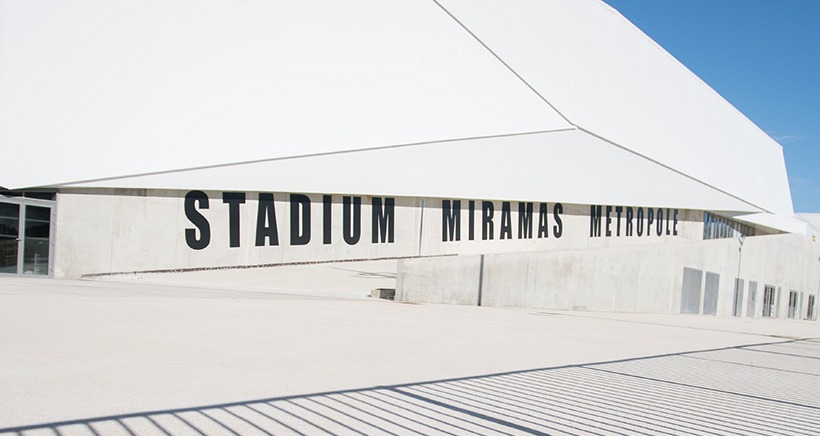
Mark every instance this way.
x=35 y=249
x=9 y=234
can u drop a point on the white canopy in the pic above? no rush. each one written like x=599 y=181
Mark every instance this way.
x=560 y=100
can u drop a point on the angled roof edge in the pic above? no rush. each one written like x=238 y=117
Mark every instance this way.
x=570 y=166
x=582 y=47
x=777 y=222
x=101 y=181
x=692 y=73
x=152 y=89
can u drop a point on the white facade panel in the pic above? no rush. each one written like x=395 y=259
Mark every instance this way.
x=785 y=224
x=102 y=88
x=606 y=76
x=813 y=219
x=567 y=166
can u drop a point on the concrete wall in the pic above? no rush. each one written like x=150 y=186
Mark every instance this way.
x=101 y=231
x=640 y=279
x=451 y=280
x=574 y=229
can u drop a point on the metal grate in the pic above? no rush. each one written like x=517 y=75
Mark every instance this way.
x=750 y=306
x=792 y=304
x=690 y=290
x=710 y=293
x=768 y=301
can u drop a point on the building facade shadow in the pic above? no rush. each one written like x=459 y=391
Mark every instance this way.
x=715 y=391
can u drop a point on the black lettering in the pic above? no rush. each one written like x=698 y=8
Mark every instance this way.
x=472 y=220
x=383 y=221
x=639 y=221
x=524 y=220
x=659 y=222
x=351 y=229
x=558 y=228
x=450 y=220
x=667 y=222
x=327 y=204
x=629 y=215
x=233 y=200
x=608 y=221
x=675 y=224
x=198 y=220
x=543 y=229
x=266 y=221
x=506 y=220
x=487 y=211
x=595 y=221
x=618 y=210
x=650 y=213
x=297 y=202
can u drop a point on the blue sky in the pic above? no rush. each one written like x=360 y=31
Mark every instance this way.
x=763 y=56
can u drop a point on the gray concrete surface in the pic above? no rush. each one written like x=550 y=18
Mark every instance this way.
x=326 y=279
x=92 y=357
x=639 y=279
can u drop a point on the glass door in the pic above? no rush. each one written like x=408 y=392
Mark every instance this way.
x=36 y=240
x=9 y=237
x=25 y=236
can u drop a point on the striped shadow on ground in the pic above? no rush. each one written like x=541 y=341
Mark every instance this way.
x=763 y=389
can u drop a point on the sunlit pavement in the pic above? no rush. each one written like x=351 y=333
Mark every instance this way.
x=86 y=357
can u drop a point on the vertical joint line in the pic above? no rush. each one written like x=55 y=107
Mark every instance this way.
x=515 y=73
x=421 y=226
x=480 y=280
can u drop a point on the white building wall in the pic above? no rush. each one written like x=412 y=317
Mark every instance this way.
x=640 y=279
x=103 y=233
x=120 y=231
x=812 y=221
x=137 y=87
x=562 y=99
x=607 y=77
x=575 y=229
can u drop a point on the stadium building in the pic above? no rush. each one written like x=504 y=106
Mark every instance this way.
x=530 y=154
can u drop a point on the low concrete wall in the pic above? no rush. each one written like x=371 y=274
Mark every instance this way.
x=639 y=279
x=457 y=279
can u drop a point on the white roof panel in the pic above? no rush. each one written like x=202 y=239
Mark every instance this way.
x=99 y=88
x=608 y=77
x=564 y=166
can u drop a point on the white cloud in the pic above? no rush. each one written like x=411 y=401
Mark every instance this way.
x=785 y=139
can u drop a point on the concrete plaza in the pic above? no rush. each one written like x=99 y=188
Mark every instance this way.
x=265 y=354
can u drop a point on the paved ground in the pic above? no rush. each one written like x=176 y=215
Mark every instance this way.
x=336 y=279
x=90 y=357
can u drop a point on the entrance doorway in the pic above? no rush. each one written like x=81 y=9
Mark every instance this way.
x=768 y=301
x=793 y=305
x=26 y=229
